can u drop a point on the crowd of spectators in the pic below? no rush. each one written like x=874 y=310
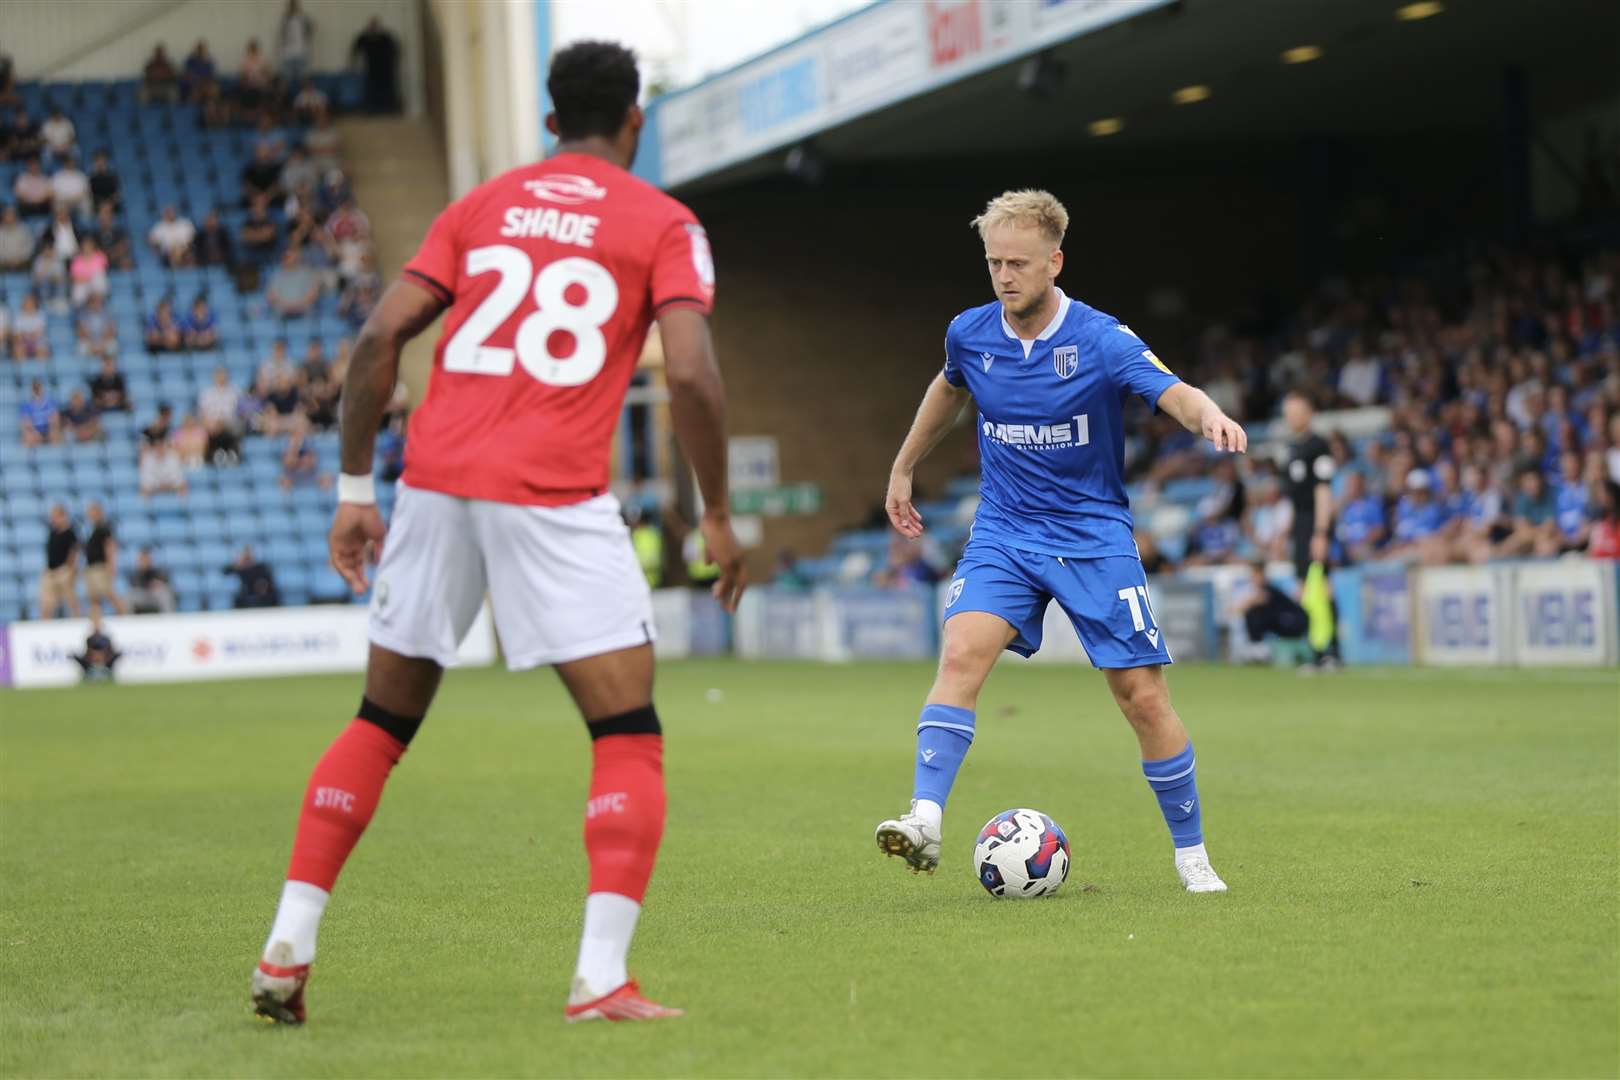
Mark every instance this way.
x=1492 y=391
x=295 y=241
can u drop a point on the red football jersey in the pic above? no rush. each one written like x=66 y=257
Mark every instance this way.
x=553 y=273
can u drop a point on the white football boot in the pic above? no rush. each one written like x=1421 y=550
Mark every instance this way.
x=913 y=838
x=1192 y=864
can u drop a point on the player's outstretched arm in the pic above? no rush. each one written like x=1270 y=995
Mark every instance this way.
x=935 y=416
x=404 y=311
x=1193 y=410
x=697 y=405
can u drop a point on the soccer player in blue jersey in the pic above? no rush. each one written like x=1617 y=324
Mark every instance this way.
x=1049 y=376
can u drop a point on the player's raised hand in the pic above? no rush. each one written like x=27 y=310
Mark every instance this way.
x=724 y=551
x=1224 y=433
x=902 y=515
x=356 y=539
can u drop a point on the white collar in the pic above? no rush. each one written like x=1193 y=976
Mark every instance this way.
x=1051 y=327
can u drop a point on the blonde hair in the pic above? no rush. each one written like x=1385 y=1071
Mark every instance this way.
x=1028 y=207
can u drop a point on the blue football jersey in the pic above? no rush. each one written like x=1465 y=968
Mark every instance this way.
x=1051 y=439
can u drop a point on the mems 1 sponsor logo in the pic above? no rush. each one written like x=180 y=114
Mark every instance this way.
x=1075 y=431
x=139 y=652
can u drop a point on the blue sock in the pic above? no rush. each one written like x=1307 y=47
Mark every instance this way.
x=1174 y=781
x=944 y=734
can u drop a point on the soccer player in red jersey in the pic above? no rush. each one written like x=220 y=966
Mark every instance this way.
x=550 y=274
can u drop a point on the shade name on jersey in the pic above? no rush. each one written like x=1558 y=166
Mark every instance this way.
x=544 y=222
x=1076 y=431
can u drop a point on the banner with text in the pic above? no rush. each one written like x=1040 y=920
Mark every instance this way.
x=213 y=645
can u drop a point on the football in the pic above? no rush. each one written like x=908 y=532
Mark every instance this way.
x=1021 y=853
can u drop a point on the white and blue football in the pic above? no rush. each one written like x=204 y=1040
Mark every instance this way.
x=1021 y=853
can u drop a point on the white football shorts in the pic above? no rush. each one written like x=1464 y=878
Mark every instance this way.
x=563 y=580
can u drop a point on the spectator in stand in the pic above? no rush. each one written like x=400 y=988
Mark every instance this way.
x=1604 y=540
x=16 y=241
x=258 y=233
x=200 y=70
x=41 y=418
x=33 y=190
x=5 y=330
x=104 y=183
x=331 y=194
x=294 y=288
x=58 y=243
x=1535 y=518
x=70 y=189
x=313 y=368
x=1421 y=520
x=161 y=427
x=224 y=448
x=299 y=172
x=101 y=563
x=908 y=565
x=28 y=340
x=1573 y=503
x=21 y=138
x=310 y=103
x=213 y=244
x=1359 y=524
x=164 y=331
x=283 y=413
x=261 y=177
x=149 y=590
x=159 y=80
x=113 y=238
x=391 y=450
x=218 y=400
x=269 y=138
x=212 y=105
x=171 y=237
x=201 y=332
x=190 y=441
x=378 y=54
x=81 y=422
x=301 y=465
x=107 y=390
x=257 y=588
x=358 y=298
x=87 y=271
x=1214 y=540
x=58 y=585
x=161 y=469
x=58 y=133
x=1270 y=519
x=324 y=144
x=295 y=40
x=251 y=407
x=323 y=390
x=9 y=97
x=276 y=364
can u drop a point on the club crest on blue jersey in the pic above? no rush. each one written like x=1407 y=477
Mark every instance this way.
x=1066 y=360
x=956 y=591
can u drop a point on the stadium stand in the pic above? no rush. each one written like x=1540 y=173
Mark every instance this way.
x=1474 y=413
x=162 y=156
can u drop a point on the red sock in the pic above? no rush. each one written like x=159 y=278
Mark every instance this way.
x=342 y=795
x=624 y=818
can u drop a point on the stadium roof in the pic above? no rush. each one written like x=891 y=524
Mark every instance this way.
x=903 y=79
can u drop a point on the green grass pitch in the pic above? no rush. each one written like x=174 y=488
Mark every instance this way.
x=1423 y=867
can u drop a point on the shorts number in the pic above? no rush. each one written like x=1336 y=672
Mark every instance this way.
x=554 y=311
x=1130 y=595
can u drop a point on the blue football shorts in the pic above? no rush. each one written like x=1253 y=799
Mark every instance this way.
x=1105 y=598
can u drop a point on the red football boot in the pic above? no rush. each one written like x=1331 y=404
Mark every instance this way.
x=625 y=1003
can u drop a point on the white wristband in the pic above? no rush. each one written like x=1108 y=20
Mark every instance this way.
x=357 y=489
